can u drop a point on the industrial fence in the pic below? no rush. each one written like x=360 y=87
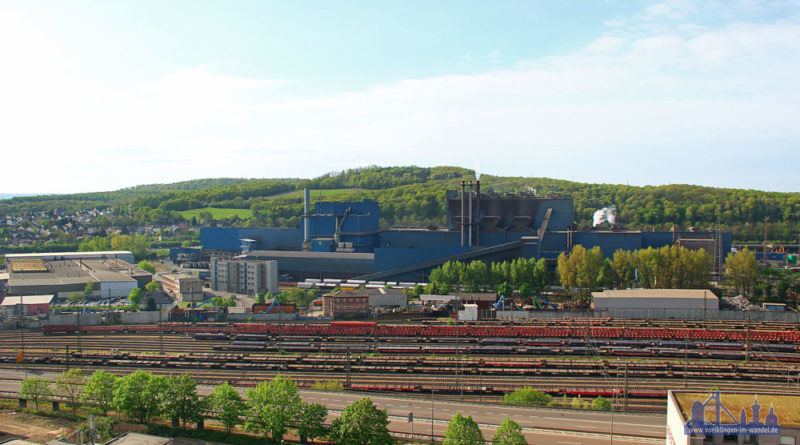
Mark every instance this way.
x=655 y=314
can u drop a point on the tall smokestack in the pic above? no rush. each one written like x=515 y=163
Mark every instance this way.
x=462 y=212
x=477 y=212
x=306 y=219
x=469 y=216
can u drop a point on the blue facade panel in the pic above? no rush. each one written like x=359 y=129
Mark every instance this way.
x=219 y=238
x=228 y=238
x=392 y=257
x=274 y=239
x=609 y=242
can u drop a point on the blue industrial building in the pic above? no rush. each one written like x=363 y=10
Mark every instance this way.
x=344 y=240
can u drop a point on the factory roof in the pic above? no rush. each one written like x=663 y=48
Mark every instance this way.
x=656 y=293
x=12 y=256
x=474 y=296
x=348 y=293
x=463 y=296
x=255 y=254
x=27 y=299
x=431 y=297
x=60 y=272
x=786 y=407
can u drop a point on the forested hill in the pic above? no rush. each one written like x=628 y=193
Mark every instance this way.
x=23 y=204
x=415 y=196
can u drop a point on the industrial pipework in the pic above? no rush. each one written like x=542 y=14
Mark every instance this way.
x=463 y=184
x=469 y=215
x=477 y=212
x=306 y=219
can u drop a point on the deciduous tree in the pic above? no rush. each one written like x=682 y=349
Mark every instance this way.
x=741 y=270
x=99 y=390
x=147 y=266
x=229 y=405
x=69 y=385
x=139 y=395
x=310 y=421
x=509 y=433
x=180 y=399
x=361 y=423
x=134 y=298
x=272 y=406
x=36 y=389
x=463 y=431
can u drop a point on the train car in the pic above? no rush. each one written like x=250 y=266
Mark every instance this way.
x=400 y=349
x=723 y=346
x=499 y=341
x=773 y=347
x=254 y=337
x=591 y=392
x=724 y=354
x=544 y=341
x=496 y=349
x=51 y=329
x=210 y=336
x=777 y=357
x=627 y=352
x=444 y=349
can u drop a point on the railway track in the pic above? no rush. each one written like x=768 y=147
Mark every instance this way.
x=475 y=377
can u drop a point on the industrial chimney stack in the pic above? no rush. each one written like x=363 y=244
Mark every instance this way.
x=306 y=220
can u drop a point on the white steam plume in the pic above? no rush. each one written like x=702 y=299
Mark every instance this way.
x=606 y=214
x=477 y=171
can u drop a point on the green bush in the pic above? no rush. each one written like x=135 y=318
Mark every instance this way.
x=104 y=427
x=601 y=404
x=527 y=396
x=331 y=385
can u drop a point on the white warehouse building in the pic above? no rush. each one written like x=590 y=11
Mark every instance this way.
x=682 y=299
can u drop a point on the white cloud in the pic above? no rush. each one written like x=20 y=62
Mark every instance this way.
x=651 y=107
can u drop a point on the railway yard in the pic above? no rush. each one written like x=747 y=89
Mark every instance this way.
x=632 y=361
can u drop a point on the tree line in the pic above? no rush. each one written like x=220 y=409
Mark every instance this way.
x=528 y=277
x=415 y=196
x=270 y=409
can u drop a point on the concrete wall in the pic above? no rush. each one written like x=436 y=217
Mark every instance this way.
x=656 y=313
x=261 y=317
x=675 y=423
x=114 y=289
x=85 y=319
x=602 y=303
x=142 y=317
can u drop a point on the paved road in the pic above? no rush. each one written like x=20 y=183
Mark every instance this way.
x=541 y=426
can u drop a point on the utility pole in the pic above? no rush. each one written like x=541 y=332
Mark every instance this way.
x=764 y=255
x=626 y=386
x=347 y=368
x=685 y=360
x=160 y=333
x=22 y=334
x=458 y=353
x=747 y=340
x=432 y=382
x=78 y=316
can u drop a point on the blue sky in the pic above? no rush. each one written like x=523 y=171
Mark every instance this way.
x=107 y=94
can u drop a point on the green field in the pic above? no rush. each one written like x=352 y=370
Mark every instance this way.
x=218 y=213
x=316 y=194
